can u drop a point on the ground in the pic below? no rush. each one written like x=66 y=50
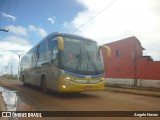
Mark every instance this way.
x=32 y=99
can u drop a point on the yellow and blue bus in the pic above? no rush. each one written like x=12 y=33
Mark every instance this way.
x=65 y=63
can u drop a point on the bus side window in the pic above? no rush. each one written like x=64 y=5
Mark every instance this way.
x=53 y=50
x=50 y=48
x=42 y=51
x=33 y=57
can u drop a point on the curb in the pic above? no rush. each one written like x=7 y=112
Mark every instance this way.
x=133 y=91
x=132 y=87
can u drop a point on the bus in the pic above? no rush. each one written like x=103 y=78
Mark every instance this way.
x=65 y=63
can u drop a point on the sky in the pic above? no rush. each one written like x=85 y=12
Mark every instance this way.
x=105 y=21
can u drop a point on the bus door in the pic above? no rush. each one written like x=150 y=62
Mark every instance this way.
x=40 y=63
x=52 y=75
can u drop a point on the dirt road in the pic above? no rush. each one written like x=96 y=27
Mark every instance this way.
x=29 y=98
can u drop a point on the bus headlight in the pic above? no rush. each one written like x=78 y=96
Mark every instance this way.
x=67 y=78
x=102 y=79
x=64 y=86
x=66 y=83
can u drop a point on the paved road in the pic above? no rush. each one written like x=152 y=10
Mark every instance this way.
x=33 y=99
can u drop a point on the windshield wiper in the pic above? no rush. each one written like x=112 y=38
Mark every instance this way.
x=92 y=62
x=79 y=57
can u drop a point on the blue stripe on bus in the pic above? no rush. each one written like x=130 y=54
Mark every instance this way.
x=83 y=76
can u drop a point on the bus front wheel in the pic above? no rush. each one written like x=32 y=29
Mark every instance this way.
x=44 y=84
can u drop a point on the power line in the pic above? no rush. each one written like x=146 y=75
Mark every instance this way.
x=95 y=15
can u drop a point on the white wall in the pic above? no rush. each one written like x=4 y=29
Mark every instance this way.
x=130 y=82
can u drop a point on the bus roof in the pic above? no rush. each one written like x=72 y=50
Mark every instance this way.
x=65 y=35
x=70 y=35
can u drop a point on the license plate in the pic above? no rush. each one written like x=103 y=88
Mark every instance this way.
x=88 y=87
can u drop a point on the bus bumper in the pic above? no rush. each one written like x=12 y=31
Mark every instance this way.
x=74 y=87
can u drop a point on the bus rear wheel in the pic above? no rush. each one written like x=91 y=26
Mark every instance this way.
x=43 y=84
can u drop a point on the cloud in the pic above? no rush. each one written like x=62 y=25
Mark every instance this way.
x=9 y=59
x=41 y=32
x=8 y=46
x=13 y=18
x=19 y=30
x=119 y=20
x=38 y=30
x=17 y=40
x=4 y=55
x=155 y=55
x=51 y=20
x=14 y=43
x=32 y=28
x=13 y=46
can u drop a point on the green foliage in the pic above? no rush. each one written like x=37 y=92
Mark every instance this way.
x=9 y=77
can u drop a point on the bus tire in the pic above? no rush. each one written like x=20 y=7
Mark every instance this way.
x=23 y=79
x=43 y=84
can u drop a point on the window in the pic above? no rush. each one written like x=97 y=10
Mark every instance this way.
x=33 y=57
x=42 y=51
x=39 y=55
x=118 y=53
x=50 y=47
x=81 y=57
x=53 y=50
x=25 y=63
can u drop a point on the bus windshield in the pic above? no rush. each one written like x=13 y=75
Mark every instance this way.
x=81 y=56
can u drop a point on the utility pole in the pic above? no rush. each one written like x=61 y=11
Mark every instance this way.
x=19 y=56
x=135 y=64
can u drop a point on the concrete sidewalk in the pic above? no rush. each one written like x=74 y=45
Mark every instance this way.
x=134 y=90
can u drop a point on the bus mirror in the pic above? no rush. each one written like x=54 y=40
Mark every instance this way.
x=108 y=50
x=60 y=43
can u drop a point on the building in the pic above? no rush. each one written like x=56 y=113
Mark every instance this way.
x=128 y=66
